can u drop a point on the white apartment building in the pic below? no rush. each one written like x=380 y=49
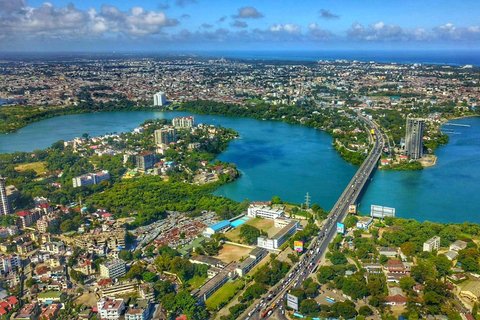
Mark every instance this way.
x=110 y=309
x=113 y=269
x=159 y=99
x=432 y=244
x=9 y=262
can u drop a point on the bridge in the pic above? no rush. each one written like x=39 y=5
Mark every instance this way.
x=272 y=300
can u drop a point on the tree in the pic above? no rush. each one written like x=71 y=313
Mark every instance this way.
x=344 y=309
x=253 y=292
x=338 y=258
x=355 y=287
x=309 y=307
x=408 y=249
x=365 y=311
x=407 y=283
x=125 y=255
x=442 y=265
x=148 y=276
x=276 y=200
x=249 y=233
x=350 y=221
x=30 y=282
x=325 y=274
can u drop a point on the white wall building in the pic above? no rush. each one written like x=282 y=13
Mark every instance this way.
x=265 y=212
x=113 y=269
x=159 y=99
x=110 y=309
x=9 y=262
x=432 y=244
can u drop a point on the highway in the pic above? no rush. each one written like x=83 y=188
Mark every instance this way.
x=272 y=301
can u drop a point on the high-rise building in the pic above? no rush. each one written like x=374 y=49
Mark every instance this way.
x=5 y=207
x=183 y=122
x=165 y=136
x=159 y=99
x=414 y=138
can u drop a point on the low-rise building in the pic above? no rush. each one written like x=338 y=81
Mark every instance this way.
x=216 y=228
x=90 y=178
x=458 y=245
x=30 y=311
x=263 y=211
x=279 y=238
x=388 y=252
x=254 y=257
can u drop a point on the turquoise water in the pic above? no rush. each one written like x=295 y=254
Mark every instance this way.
x=447 y=192
x=289 y=160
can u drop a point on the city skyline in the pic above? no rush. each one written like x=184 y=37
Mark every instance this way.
x=182 y=25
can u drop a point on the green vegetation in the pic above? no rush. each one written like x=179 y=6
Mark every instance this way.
x=250 y=234
x=403 y=166
x=224 y=295
x=141 y=197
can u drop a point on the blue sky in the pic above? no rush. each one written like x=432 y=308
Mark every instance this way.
x=176 y=25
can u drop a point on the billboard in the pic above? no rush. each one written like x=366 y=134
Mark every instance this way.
x=292 y=302
x=352 y=209
x=340 y=228
x=298 y=246
x=381 y=212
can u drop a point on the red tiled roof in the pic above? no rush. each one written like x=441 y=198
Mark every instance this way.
x=396 y=298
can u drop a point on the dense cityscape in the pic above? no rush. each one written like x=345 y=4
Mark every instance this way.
x=157 y=164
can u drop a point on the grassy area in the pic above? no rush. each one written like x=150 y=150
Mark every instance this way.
x=38 y=167
x=223 y=295
x=196 y=282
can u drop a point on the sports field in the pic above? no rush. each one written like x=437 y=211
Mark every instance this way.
x=231 y=253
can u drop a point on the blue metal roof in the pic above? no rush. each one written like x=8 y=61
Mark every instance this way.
x=220 y=225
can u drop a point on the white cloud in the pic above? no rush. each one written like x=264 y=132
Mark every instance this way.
x=50 y=21
x=248 y=13
x=287 y=27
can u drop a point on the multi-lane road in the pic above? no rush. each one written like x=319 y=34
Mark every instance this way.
x=273 y=299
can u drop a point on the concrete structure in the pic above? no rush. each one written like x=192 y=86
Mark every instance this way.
x=159 y=99
x=145 y=161
x=119 y=289
x=458 y=245
x=254 y=257
x=9 y=262
x=90 y=178
x=432 y=244
x=138 y=313
x=279 y=238
x=217 y=227
x=263 y=211
x=110 y=309
x=414 y=138
x=214 y=283
x=113 y=269
x=471 y=291
x=388 y=252
x=5 y=206
x=364 y=223
x=165 y=136
x=183 y=122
